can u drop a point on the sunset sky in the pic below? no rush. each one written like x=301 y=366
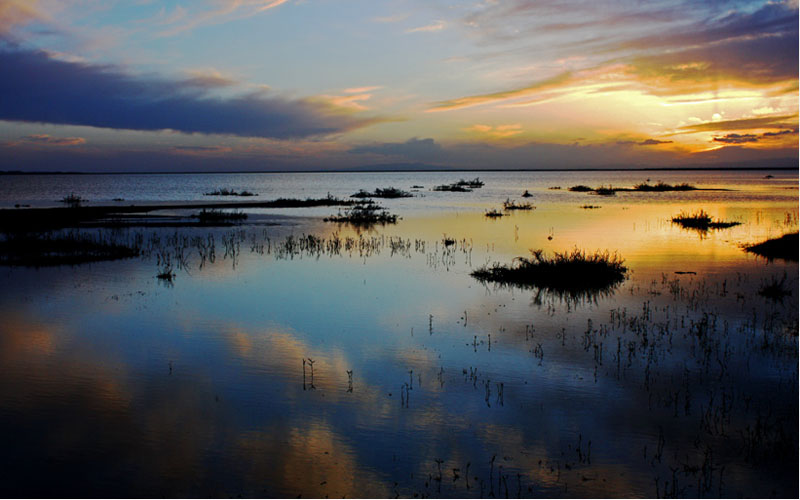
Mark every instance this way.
x=231 y=85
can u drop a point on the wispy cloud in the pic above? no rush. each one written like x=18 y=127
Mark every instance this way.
x=428 y=28
x=223 y=11
x=18 y=12
x=48 y=140
x=104 y=96
x=645 y=142
x=498 y=131
x=769 y=122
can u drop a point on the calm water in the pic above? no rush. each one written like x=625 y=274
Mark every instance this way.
x=425 y=382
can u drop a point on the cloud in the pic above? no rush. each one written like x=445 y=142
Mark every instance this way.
x=47 y=140
x=201 y=150
x=361 y=90
x=208 y=79
x=61 y=92
x=413 y=149
x=775 y=122
x=646 y=142
x=18 y=12
x=744 y=138
x=226 y=10
x=499 y=131
x=437 y=26
x=475 y=100
x=737 y=138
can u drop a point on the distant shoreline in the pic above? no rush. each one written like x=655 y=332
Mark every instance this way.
x=411 y=170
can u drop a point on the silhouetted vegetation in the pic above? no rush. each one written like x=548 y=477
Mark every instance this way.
x=390 y=192
x=229 y=192
x=662 y=186
x=580 y=188
x=572 y=274
x=39 y=250
x=526 y=194
x=461 y=186
x=494 y=213
x=785 y=247
x=589 y=207
x=214 y=216
x=775 y=290
x=52 y=218
x=605 y=191
x=364 y=214
x=72 y=200
x=513 y=205
x=702 y=221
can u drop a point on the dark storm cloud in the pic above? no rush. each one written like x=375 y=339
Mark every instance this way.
x=38 y=88
x=413 y=149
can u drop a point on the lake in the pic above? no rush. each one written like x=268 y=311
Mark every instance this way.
x=293 y=356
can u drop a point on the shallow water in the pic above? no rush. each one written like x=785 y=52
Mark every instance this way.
x=115 y=383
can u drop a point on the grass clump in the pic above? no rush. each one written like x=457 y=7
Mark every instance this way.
x=229 y=192
x=526 y=194
x=494 y=214
x=605 y=191
x=574 y=274
x=662 y=186
x=580 y=188
x=73 y=200
x=513 y=205
x=390 y=192
x=461 y=186
x=702 y=221
x=453 y=188
x=589 y=207
x=364 y=214
x=775 y=290
x=214 y=216
x=40 y=250
x=474 y=183
x=785 y=247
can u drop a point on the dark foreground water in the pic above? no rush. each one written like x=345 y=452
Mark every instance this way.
x=308 y=358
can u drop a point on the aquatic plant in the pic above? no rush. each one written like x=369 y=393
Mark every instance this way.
x=493 y=213
x=580 y=188
x=72 y=248
x=605 y=191
x=526 y=194
x=589 y=207
x=512 y=205
x=702 y=221
x=455 y=188
x=573 y=274
x=775 y=290
x=214 y=216
x=229 y=192
x=390 y=192
x=72 y=200
x=474 y=183
x=785 y=247
x=662 y=186
x=364 y=214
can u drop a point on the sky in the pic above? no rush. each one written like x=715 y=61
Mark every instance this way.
x=241 y=85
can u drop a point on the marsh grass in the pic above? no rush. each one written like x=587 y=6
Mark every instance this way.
x=775 y=289
x=462 y=186
x=573 y=275
x=662 y=187
x=493 y=214
x=229 y=192
x=453 y=188
x=513 y=205
x=364 y=215
x=702 y=221
x=785 y=247
x=72 y=200
x=390 y=192
x=41 y=250
x=215 y=216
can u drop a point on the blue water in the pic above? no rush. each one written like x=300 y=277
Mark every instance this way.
x=425 y=381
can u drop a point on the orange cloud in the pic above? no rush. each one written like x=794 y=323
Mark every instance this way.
x=499 y=131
